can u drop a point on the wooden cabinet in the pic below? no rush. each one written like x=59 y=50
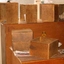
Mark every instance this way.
x=9 y=12
x=52 y=29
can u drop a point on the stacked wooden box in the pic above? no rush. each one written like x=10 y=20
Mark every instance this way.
x=21 y=39
x=28 y=13
x=9 y=12
x=52 y=12
x=47 y=12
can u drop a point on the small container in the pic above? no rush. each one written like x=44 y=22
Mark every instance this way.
x=44 y=47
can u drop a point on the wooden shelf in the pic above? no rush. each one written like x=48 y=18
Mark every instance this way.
x=52 y=29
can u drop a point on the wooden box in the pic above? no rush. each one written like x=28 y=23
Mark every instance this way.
x=12 y=12
x=47 y=12
x=9 y=12
x=28 y=13
x=45 y=47
x=21 y=39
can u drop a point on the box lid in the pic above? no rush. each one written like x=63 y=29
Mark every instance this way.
x=45 y=40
